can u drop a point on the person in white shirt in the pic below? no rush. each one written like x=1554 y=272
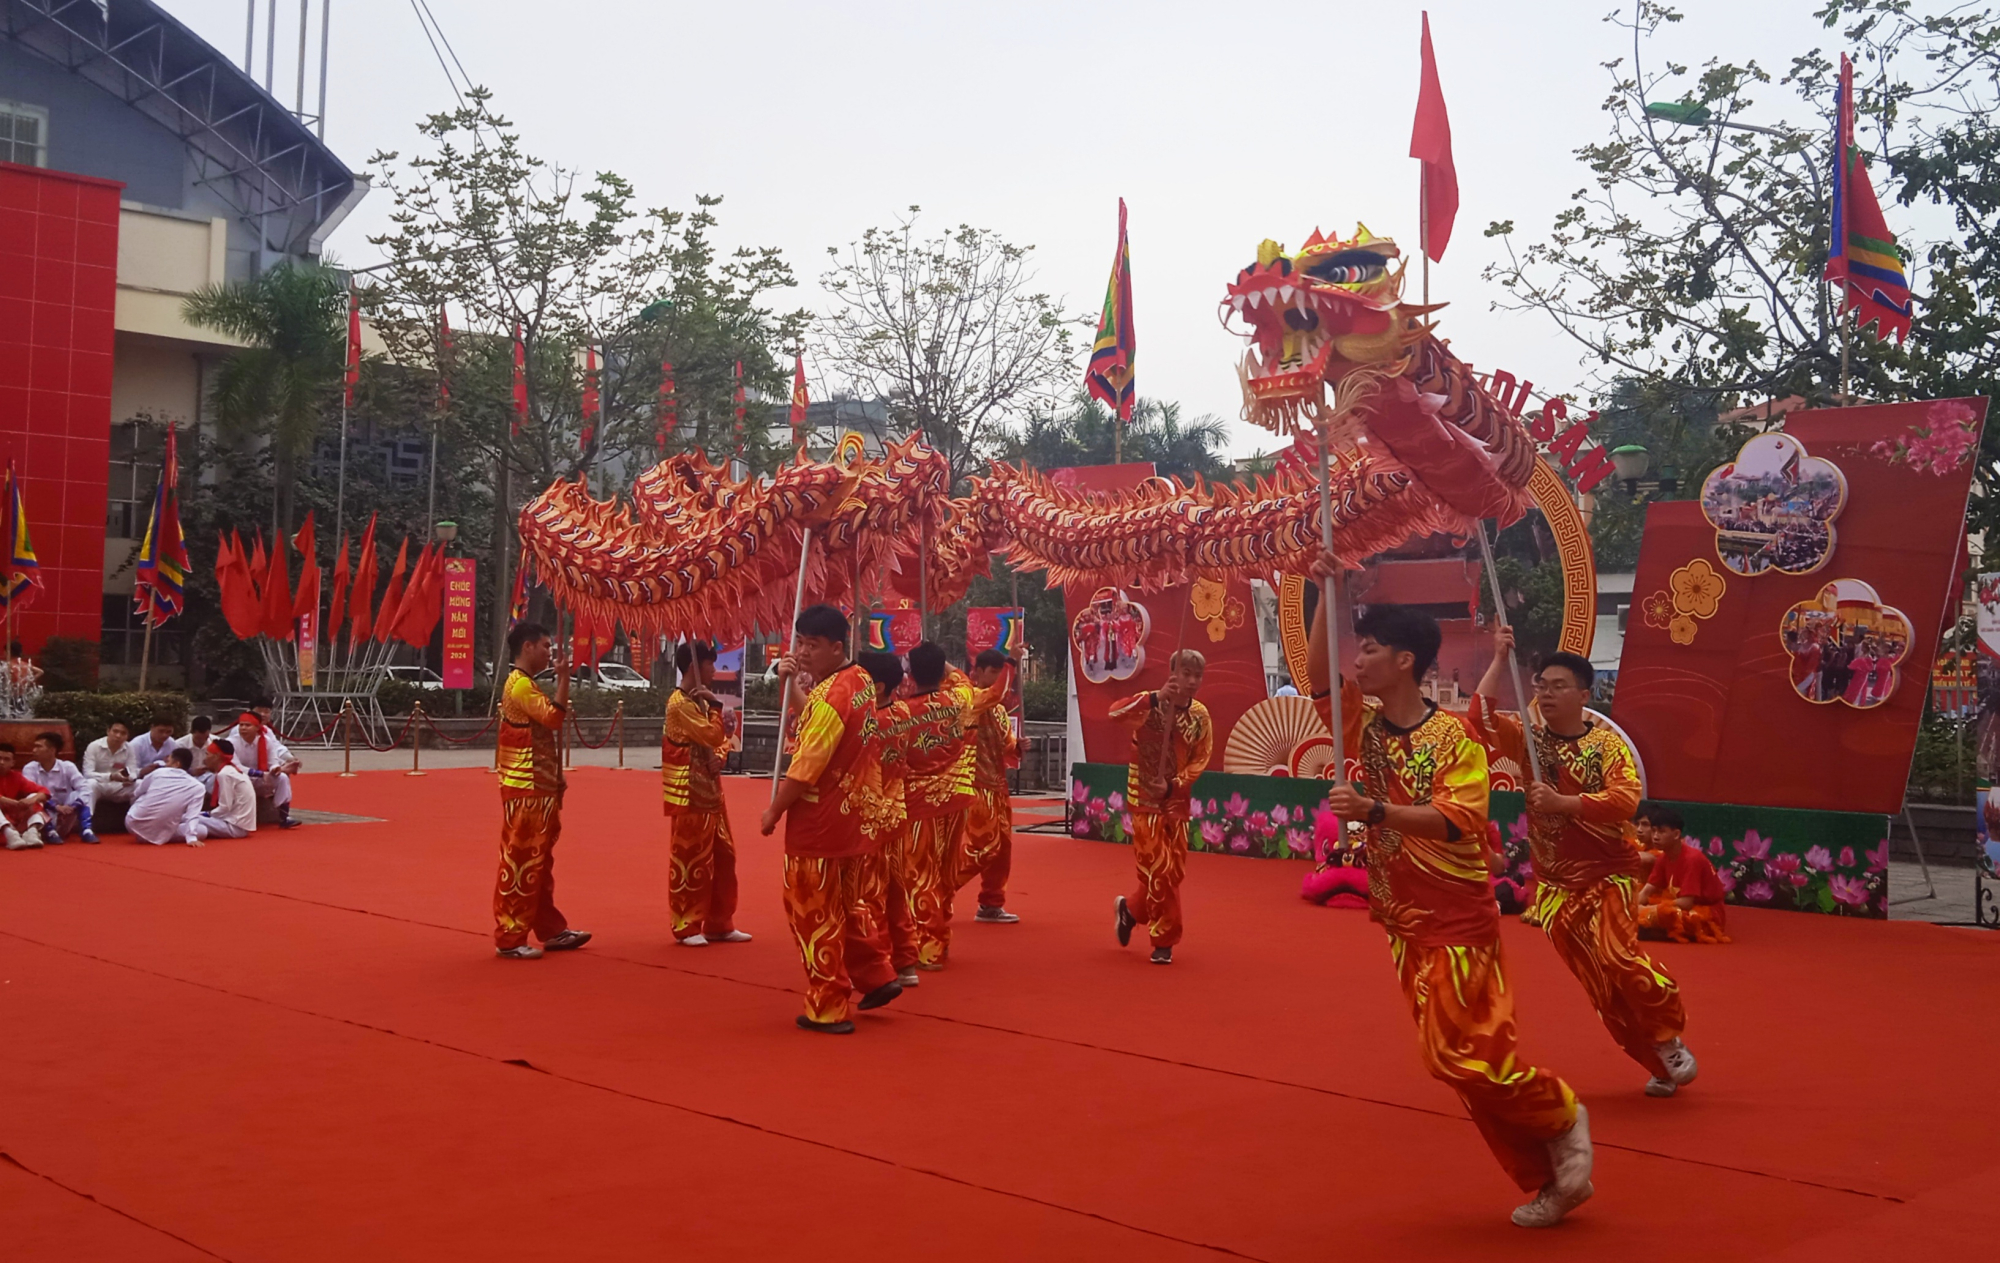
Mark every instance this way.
x=108 y=762
x=149 y=752
x=167 y=803
x=197 y=739
x=268 y=763
x=67 y=788
x=235 y=812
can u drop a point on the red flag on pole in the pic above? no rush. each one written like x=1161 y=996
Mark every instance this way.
x=353 y=347
x=590 y=401
x=276 y=621
x=520 y=380
x=338 y=610
x=307 y=542
x=1863 y=256
x=392 y=596
x=444 y=359
x=365 y=568
x=799 y=402
x=668 y=418
x=1114 y=355
x=238 y=590
x=1430 y=144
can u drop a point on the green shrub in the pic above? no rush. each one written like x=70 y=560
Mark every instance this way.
x=68 y=663
x=760 y=694
x=1046 y=700
x=89 y=714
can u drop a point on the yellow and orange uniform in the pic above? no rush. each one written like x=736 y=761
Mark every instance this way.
x=1435 y=898
x=888 y=821
x=937 y=792
x=1160 y=824
x=989 y=822
x=531 y=793
x=1588 y=868
x=836 y=889
x=701 y=884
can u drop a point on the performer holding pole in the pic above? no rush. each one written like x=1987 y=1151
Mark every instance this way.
x=531 y=794
x=784 y=685
x=701 y=888
x=1172 y=741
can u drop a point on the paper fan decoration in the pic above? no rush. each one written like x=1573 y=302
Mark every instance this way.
x=1265 y=739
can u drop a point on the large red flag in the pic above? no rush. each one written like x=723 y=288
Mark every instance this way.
x=428 y=607
x=338 y=610
x=520 y=380
x=259 y=563
x=590 y=402
x=353 y=348
x=238 y=591
x=409 y=611
x=364 y=584
x=392 y=597
x=307 y=542
x=1430 y=144
x=276 y=620
x=800 y=403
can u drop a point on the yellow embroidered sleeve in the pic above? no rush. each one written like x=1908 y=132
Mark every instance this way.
x=1621 y=793
x=689 y=723
x=820 y=733
x=1200 y=749
x=1459 y=789
x=533 y=704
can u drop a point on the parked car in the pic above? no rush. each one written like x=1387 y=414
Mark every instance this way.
x=609 y=675
x=420 y=677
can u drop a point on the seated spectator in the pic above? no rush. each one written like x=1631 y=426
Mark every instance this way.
x=149 y=751
x=69 y=802
x=21 y=816
x=197 y=739
x=1683 y=898
x=108 y=762
x=235 y=812
x=167 y=803
x=268 y=763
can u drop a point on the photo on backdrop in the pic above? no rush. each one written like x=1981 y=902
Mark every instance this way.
x=1773 y=507
x=1110 y=636
x=1845 y=645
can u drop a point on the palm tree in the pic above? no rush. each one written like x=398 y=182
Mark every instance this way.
x=293 y=319
x=1156 y=433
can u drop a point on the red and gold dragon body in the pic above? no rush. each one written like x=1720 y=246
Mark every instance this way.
x=1335 y=356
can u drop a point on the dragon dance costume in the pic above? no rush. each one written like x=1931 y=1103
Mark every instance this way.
x=1434 y=897
x=836 y=886
x=989 y=823
x=701 y=889
x=531 y=794
x=1587 y=869
x=1160 y=825
x=888 y=821
x=937 y=793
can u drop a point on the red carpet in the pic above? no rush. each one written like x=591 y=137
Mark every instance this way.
x=299 y=1046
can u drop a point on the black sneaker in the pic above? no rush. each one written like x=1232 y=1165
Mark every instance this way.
x=825 y=1028
x=1125 y=922
x=881 y=995
x=1163 y=956
x=995 y=916
x=567 y=941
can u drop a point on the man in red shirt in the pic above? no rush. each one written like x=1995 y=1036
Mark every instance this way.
x=1682 y=898
x=836 y=890
x=22 y=816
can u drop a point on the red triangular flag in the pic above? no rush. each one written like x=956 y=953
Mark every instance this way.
x=364 y=584
x=353 y=347
x=520 y=380
x=1430 y=143
x=392 y=598
x=275 y=619
x=307 y=542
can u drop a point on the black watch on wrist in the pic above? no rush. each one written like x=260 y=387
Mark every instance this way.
x=1378 y=811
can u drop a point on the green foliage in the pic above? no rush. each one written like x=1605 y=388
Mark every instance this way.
x=89 y=714
x=1046 y=700
x=1684 y=438
x=1943 y=769
x=760 y=694
x=1534 y=592
x=1086 y=435
x=68 y=663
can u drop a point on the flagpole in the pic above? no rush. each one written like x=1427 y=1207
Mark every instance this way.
x=785 y=684
x=146 y=650
x=1513 y=657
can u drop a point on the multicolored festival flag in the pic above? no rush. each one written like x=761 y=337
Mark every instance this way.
x=1430 y=144
x=24 y=569
x=1115 y=354
x=1862 y=256
x=159 y=590
x=799 y=402
x=520 y=380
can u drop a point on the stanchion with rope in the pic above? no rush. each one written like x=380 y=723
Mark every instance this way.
x=417 y=717
x=618 y=718
x=347 y=738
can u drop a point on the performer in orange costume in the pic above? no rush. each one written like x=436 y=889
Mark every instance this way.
x=701 y=886
x=531 y=793
x=835 y=889
x=988 y=853
x=1587 y=861
x=1683 y=898
x=1162 y=774
x=888 y=820
x=1422 y=794
x=937 y=792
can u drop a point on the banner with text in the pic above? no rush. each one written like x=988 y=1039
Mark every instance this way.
x=460 y=602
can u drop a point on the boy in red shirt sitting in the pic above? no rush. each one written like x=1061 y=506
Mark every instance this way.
x=1682 y=899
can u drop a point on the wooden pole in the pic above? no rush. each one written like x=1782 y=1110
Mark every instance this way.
x=146 y=654
x=785 y=685
x=1513 y=658
x=1328 y=597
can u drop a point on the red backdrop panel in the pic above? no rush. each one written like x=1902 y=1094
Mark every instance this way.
x=1234 y=681
x=58 y=283
x=1717 y=720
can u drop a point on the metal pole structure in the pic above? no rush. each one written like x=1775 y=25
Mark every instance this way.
x=347 y=738
x=250 y=39
x=1513 y=658
x=325 y=24
x=1329 y=601
x=340 y=481
x=618 y=718
x=270 y=41
x=416 y=740
x=305 y=14
x=785 y=685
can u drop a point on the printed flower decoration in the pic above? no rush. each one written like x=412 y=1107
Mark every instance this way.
x=1233 y=612
x=1754 y=846
x=1659 y=609
x=1819 y=859
x=1216 y=629
x=1681 y=630
x=1079 y=792
x=1851 y=891
x=1758 y=892
x=1206 y=598
x=1211 y=832
x=1878 y=857
x=1937 y=446
x=1697 y=589
x=1115 y=801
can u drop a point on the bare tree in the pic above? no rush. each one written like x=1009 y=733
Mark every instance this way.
x=950 y=331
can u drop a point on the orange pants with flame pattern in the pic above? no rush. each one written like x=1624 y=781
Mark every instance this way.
x=524 y=897
x=701 y=885
x=987 y=849
x=935 y=845
x=1465 y=1030
x=1159 y=849
x=838 y=914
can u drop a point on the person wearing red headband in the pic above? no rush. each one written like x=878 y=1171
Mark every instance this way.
x=269 y=765
x=235 y=812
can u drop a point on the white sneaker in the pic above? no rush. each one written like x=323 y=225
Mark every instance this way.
x=1680 y=1063
x=692 y=940
x=1550 y=1206
x=1657 y=1086
x=734 y=936
x=35 y=835
x=526 y=951
x=907 y=978
x=15 y=842
x=1571 y=1156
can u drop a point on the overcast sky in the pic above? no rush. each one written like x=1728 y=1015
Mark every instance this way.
x=1220 y=124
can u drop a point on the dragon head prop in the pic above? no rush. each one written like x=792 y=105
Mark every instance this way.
x=1316 y=316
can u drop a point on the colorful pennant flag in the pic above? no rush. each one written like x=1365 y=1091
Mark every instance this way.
x=24 y=569
x=444 y=360
x=1430 y=144
x=800 y=402
x=1114 y=356
x=520 y=380
x=1862 y=257
x=159 y=590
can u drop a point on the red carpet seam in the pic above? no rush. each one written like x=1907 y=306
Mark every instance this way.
x=94 y=1200
x=938 y=1017
x=621 y=1092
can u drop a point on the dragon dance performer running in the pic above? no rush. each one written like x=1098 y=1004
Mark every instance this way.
x=886 y=817
x=836 y=889
x=701 y=889
x=1587 y=861
x=1172 y=740
x=531 y=794
x=937 y=792
x=1422 y=793
x=989 y=826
